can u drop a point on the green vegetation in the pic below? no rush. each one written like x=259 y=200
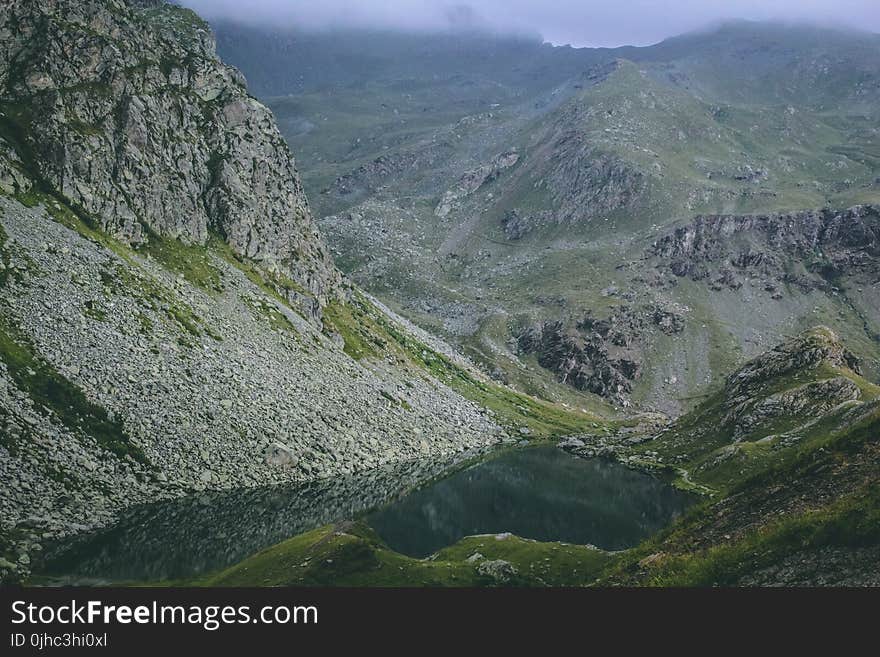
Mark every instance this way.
x=361 y=335
x=352 y=555
x=191 y=261
x=370 y=334
x=276 y=319
x=276 y=285
x=820 y=495
x=48 y=389
x=853 y=521
x=710 y=447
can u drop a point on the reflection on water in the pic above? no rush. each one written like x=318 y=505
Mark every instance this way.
x=198 y=534
x=541 y=493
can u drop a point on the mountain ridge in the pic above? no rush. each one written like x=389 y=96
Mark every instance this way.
x=616 y=150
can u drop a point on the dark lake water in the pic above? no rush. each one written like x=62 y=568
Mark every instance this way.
x=537 y=492
x=541 y=493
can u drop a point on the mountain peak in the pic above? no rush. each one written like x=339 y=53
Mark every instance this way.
x=805 y=351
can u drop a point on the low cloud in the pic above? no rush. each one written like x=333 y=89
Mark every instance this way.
x=578 y=22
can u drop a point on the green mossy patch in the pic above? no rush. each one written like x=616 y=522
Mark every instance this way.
x=49 y=389
x=276 y=286
x=193 y=262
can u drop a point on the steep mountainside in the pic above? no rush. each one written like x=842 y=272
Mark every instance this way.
x=170 y=321
x=531 y=210
x=158 y=139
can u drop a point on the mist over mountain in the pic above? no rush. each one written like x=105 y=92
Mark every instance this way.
x=576 y=22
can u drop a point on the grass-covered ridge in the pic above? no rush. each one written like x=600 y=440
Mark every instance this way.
x=819 y=500
x=350 y=554
x=792 y=396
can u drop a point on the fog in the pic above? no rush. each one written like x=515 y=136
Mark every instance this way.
x=578 y=22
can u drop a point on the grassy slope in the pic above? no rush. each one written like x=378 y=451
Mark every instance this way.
x=823 y=496
x=775 y=499
x=368 y=334
x=352 y=555
x=703 y=445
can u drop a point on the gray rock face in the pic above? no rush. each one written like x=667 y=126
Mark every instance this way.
x=125 y=110
x=280 y=455
x=474 y=179
x=749 y=416
x=498 y=570
x=603 y=356
x=721 y=245
x=808 y=350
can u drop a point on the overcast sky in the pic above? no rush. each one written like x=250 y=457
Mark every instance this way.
x=579 y=22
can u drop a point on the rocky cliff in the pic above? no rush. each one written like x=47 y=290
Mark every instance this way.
x=724 y=249
x=602 y=355
x=124 y=110
x=170 y=320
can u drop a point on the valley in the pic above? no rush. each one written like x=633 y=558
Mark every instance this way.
x=538 y=199
x=516 y=315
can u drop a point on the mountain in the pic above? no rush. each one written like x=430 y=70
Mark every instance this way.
x=521 y=221
x=691 y=228
x=171 y=321
x=161 y=139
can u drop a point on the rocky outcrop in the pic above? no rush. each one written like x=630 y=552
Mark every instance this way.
x=796 y=383
x=474 y=179
x=517 y=223
x=603 y=356
x=579 y=358
x=722 y=248
x=802 y=352
x=123 y=109
x=370 y=177
x=746 y=417
x=585 y=183
x=793 y=384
